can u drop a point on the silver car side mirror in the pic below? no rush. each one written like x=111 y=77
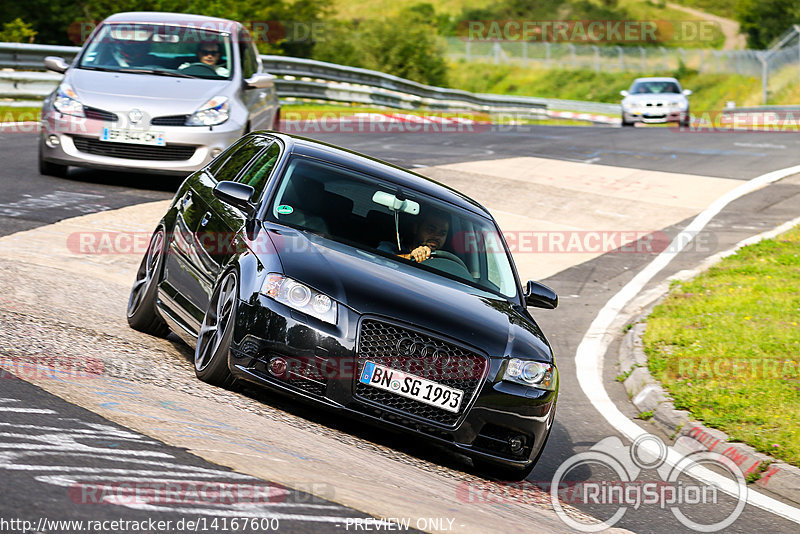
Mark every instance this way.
x=260 y=80
x=56 y=64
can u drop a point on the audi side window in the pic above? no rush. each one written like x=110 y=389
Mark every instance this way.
x=241 y=159
x=257 y=175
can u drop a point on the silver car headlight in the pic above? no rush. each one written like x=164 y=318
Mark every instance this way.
x=215 y=111
x=300 y=297
x=535 y=374
x=66 y=101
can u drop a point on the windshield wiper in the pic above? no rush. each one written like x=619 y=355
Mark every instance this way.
x=104 y=69
x=134 y=70
x=158 y=72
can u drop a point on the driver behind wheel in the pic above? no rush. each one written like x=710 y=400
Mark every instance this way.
x=209 y=53
x=429 y=234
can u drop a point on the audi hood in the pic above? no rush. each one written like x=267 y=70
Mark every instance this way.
x=369 y=283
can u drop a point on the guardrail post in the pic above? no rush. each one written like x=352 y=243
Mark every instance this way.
x=467 y=55
x=547 y=53
x=572 y=55
x=621 y=58
x=524 y=52
x=596 y=58
x=644 y=58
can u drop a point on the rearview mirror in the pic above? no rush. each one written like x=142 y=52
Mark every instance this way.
x=395 y=204
x=540 y=296
x=237 y=195
x=56 y=64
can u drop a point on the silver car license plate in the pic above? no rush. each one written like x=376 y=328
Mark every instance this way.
x=411 y=386
x=138 y=137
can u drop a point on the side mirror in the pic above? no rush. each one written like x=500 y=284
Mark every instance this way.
x=540 y=296
x=237 y=195
x=624 y=93
x=56 y=64
x=687 y=92
x=260 y=80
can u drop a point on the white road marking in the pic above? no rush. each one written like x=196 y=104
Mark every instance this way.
x=593 y=346
x=26 y=410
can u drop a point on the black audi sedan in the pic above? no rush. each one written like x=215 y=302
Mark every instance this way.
x=351 y=283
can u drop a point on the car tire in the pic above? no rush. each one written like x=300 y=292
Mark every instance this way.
x=216 y=333
x=626 y=123
x=47 y=168
x=142 y=313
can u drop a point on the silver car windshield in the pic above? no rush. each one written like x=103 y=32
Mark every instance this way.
x=367 y=213
x=665 y=87
x=160 y=50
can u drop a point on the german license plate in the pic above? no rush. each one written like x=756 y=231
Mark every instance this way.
x=411 y=386
x=138 y=137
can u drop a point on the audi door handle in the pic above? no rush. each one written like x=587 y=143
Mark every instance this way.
x=187 y=198
x=205 y=219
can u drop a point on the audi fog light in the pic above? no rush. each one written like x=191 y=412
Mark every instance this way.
x=540 y=375
x=299 y=297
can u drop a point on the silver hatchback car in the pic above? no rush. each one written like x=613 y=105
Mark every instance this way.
x=155 y=92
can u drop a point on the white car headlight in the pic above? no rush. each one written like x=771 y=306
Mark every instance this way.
x=66 y=101
x=213 y=112
x=539 y=375
x=300 y=297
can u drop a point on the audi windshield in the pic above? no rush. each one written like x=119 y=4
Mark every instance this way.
x=408 y=226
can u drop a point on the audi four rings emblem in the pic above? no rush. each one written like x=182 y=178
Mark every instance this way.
x=415 y=348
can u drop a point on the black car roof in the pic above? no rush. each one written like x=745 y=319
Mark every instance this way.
x=381 y=169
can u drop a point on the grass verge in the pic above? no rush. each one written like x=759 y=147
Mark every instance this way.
x=15 y=114
x=726 y=345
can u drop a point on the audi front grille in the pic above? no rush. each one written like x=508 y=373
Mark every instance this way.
x=420 y=354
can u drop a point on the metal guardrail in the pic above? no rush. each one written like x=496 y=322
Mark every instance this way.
x=298 y=78
x=304 y=79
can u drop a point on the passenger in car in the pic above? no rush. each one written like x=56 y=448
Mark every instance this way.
x=429 y=234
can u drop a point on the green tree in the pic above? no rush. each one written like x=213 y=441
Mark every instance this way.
x=764 y=20
x=17 y=31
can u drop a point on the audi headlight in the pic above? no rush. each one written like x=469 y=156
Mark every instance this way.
x=66 y=101
x=539 y=375
x=300 y=297
x=215 y=111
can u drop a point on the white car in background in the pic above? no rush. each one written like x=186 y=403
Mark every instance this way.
x=655 y=100
x=155 y=92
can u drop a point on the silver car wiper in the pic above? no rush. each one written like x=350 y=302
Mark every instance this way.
x=157 y=72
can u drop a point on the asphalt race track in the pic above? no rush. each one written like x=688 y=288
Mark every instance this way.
x=148 y=403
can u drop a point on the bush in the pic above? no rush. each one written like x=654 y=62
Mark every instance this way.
x=407 y=45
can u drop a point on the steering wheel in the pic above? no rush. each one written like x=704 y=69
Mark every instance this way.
x=443 y=254
x=192 y=66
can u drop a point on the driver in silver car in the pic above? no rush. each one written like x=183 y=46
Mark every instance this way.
x=209 y=53
x=430 y=234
